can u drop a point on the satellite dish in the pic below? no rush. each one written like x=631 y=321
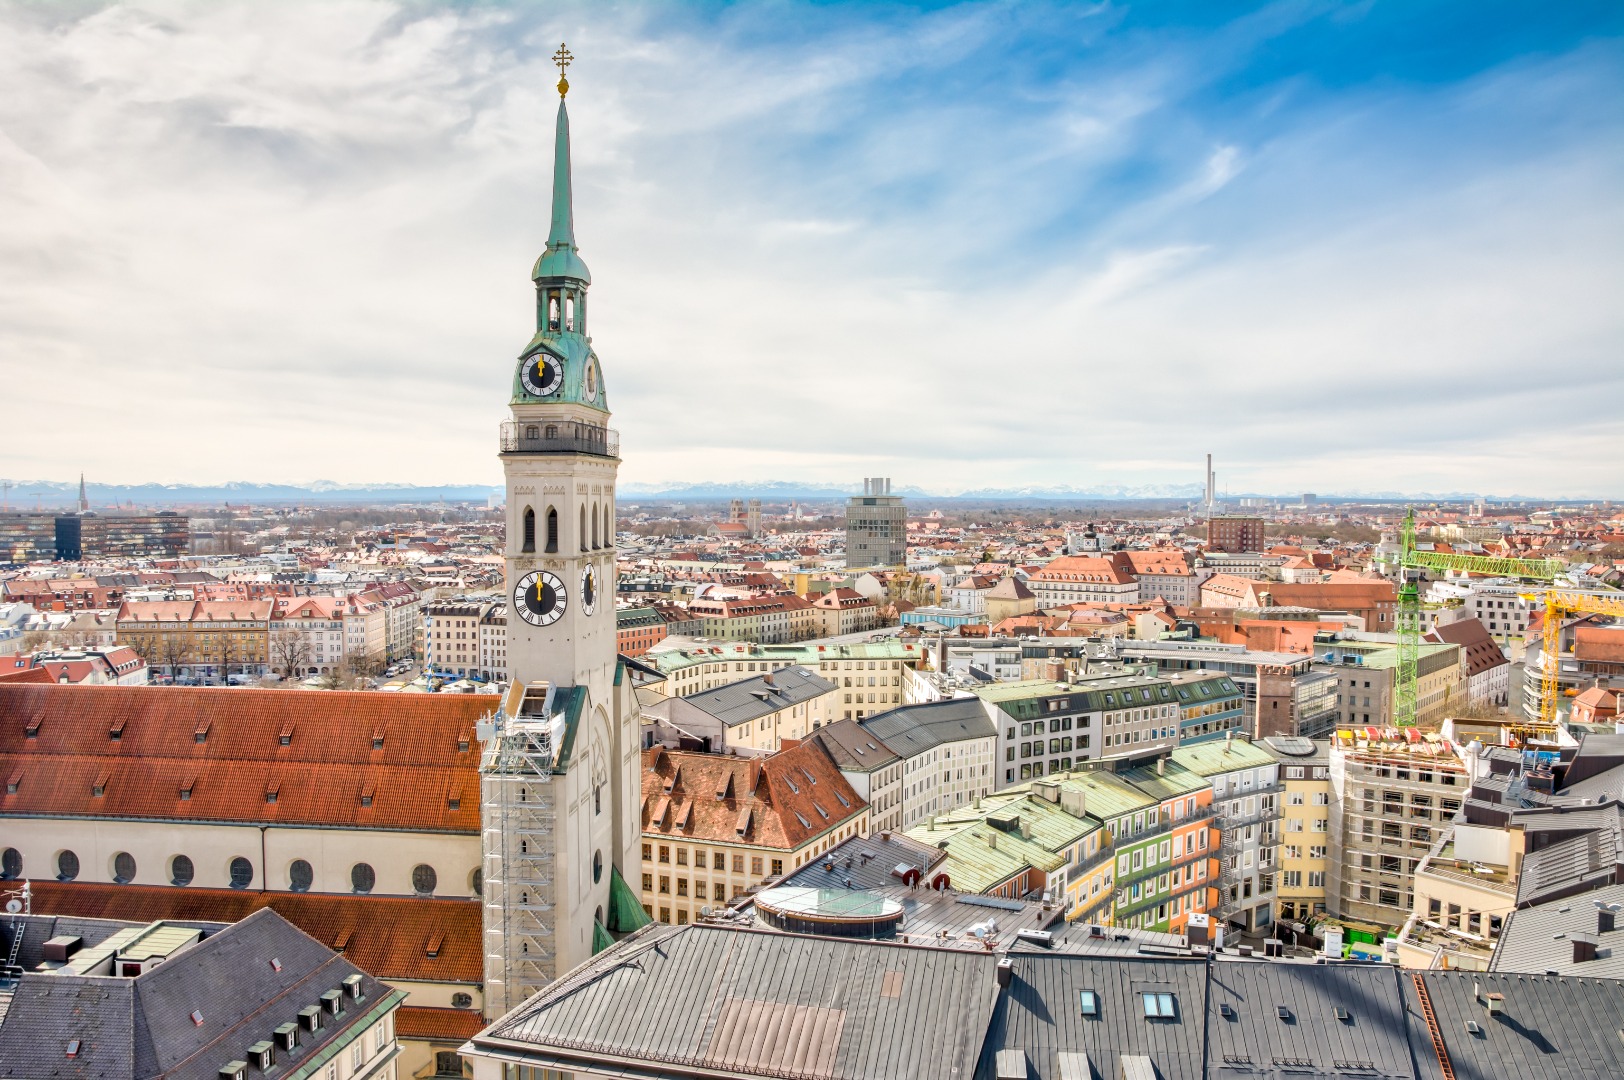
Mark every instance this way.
x=705 y=912
x=14 y=906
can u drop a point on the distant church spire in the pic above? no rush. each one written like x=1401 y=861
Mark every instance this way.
x=561 y=259
x=84 y=500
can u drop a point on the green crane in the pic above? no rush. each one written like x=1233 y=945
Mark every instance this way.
x=1411 y=565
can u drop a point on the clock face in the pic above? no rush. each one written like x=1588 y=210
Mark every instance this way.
x=542 y=374
x=539 y=598
x=589 y=591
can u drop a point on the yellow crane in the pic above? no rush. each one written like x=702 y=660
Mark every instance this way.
x=1563 y=604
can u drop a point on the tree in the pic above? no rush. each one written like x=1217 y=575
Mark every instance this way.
x=176 y=650
x=290 y=652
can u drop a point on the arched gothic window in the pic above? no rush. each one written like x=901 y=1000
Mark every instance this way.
x=552 y=529
x=529 y=529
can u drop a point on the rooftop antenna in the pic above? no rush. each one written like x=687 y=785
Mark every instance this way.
x=5 y=493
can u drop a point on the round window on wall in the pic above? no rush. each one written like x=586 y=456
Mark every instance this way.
x=67 y=866
x=242 y=873
x=124 y=868
x=597 y=866
x=300 y=876
x=462 y=1001
x=362 y=878
x=424 y=879
x=180 y=870
x=11 y=864
x=479 y=882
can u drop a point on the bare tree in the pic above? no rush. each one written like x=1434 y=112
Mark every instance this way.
x=290 y=652
x=176 y=651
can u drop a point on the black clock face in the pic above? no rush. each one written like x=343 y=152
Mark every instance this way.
x=589 y=591
x=542 y=374
x=539 y=598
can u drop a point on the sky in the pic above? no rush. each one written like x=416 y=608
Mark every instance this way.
x=1343 y=247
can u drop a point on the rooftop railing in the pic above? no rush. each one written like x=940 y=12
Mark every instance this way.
x=559 y=437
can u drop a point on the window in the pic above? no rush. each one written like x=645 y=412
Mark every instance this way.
x=529 y=528
x=552 y=530
x=242 y=873
x=300 y=876
x=362 y=877
x=1158 y=1006
x=424 y=879
x=1088 y=1002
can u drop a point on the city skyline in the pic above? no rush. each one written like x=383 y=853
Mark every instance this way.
x=1342 y=242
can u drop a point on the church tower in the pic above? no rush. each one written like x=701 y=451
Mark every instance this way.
x=560 y=767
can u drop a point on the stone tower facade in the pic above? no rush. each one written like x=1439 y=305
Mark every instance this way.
x=560 y=768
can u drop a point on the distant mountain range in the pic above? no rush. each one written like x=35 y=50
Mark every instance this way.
x=59 y=495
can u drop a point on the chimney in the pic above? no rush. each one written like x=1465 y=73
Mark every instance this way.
x=1006 y=971
x=1584 y=948
x=1161 y=766
x=1497 y=1003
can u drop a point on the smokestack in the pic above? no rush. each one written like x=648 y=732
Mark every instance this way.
x=1210 y=492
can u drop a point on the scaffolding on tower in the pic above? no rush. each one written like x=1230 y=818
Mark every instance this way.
x=517 y=805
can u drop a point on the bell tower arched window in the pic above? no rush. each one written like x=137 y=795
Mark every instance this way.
x=552 y=529
x=582 y=533
x=529 y=529
x=554 y=309
x=595 y=543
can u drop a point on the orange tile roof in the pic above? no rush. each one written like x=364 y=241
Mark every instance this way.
x=25 y=675
x=224 y=745
x=385 y=936
x=780 y=801
x=437 y=1025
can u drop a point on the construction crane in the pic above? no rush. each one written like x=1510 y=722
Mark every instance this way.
x=1564 y=604
x=1411 y=565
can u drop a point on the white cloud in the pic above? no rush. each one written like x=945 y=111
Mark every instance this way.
x=241 y=241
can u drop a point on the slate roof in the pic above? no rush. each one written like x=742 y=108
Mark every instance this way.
x=913 y=729
x=1482 y=654
x=225 y=746
x=143 y=1026
x=1551 y=1027
x=714 y=998
x=386 y=936
x=1040 y=1017
x=866 y=862
x=761 y=695
x=1539 y=939
x=853 y=748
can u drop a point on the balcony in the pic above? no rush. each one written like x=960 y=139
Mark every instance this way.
x=560 y=437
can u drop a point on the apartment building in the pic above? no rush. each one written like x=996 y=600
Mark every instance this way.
x=1502 y=609
x=947 y=755
x=1170 y=870
x=639 y=629
x=1286 y=693
x=1365 y=672
x=1247 y=796
x=1484 y=668
x=1165 y=574
x=203 y=640
x=1392 y=794
x=754 y=716
x=770 y=620
x=872 y=768
x=1305 y=836
x=1048 y=727
x=452 y=642
x=845 y=611
x=1465 y=890
x=869 y=674
x=493 y=641
x=1076 y=579
x=1235 y=534
x=1210 y=705
x=1014 y=844
x=715 y=825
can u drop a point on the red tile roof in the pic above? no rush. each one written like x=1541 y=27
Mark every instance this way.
x=438 y=1025
x=25 y=675
x=385 y=936
x=782 y=801
x=226 y=745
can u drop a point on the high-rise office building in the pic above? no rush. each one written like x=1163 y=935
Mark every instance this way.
x=876 y=526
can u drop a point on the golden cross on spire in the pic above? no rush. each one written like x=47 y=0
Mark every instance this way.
x=563 y=58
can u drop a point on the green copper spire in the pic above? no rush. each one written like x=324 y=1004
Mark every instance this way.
x=561 y=260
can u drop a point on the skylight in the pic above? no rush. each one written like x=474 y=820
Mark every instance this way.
x=1158 y=1005
x=1088 y=1002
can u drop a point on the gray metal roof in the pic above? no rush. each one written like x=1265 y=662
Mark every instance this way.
x=867 y=862
x=710 y=999
x=1551 y=1028
x=1539 y=939
x=1041 y=1016
x=913 y=729
x=142 y=1026
x=853 y=749
x=1569 y=866
x=752 y=698
x=1250 y=1037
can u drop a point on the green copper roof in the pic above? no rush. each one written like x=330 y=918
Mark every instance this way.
x=1219 y=756
x=600 y=938
x=561 y=260
x=625 y=913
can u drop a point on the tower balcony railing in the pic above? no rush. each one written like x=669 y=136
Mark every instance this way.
x=559 y=437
